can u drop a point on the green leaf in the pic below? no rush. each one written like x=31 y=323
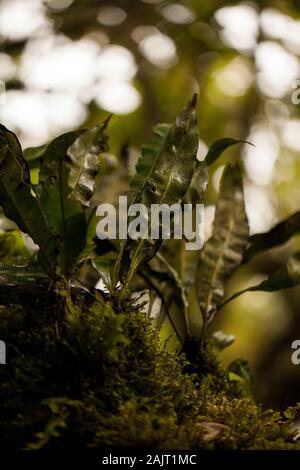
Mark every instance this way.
x=169 y=289
x=85 y=154
x=55 y=155
x=234 y=377
x=178 y=294
x=194 y=195
x=198 y=184
x=223 y=252
x=65 y=217
x=104 y=266
x=150 y=153
x=219 y=147
x=168 y=180
x=18 y=201
x=285 y=277
x=240 y=369
x=292 y=412
x=69 y=167
x=173 y=172
x=12 y=246
x=33 y=155
x=278 y=235
x=91 y=220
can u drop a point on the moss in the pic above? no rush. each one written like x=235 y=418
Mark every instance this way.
x=108 y=380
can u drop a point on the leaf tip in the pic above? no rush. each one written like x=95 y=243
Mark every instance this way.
x=107 y=120
x=193 y=102
x=249 y=143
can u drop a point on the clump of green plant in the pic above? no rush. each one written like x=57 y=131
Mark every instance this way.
x=57 y=214
x=85 y=365
x=109 y=380
x=168 y=172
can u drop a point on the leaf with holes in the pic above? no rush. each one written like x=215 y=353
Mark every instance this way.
x=18 y=200
x=224 y=251
x=168 y=180
x=85 y=154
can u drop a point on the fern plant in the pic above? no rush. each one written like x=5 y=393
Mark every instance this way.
x=57 y=213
